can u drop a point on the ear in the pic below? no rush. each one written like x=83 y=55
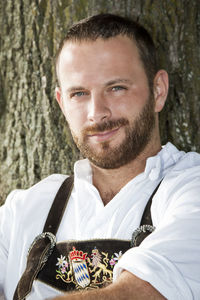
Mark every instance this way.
x=161 y=86
x=58 y=94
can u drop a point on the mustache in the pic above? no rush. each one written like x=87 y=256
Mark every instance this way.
x=107 y=125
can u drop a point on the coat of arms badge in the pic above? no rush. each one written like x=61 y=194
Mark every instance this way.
x=79 y=265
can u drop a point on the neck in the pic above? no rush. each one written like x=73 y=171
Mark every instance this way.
x=110 y=181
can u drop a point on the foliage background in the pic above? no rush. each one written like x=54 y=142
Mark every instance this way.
x=34 y=138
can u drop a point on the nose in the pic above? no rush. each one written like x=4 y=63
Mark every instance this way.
x=98 y=108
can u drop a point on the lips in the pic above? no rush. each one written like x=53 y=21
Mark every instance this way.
x=103 y=136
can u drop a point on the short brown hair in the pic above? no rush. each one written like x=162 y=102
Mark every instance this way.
x=106 y=26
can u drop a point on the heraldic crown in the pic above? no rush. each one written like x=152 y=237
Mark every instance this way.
x=76 y=255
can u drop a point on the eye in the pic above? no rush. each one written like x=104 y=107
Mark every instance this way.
x=78 y=94
x=118 y=88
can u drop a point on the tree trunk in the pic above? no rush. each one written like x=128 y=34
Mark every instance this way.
x=34 y=137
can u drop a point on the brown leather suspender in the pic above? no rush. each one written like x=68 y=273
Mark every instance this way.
x=43 y=244
x=146 y=226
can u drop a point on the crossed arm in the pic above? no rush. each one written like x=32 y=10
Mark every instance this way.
x=127 y=287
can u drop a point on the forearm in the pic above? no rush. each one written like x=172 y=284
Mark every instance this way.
x=126 y=287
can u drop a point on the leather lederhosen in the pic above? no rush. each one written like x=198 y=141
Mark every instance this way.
x=75 y=264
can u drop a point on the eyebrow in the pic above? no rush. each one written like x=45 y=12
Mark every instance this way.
x=118 y=80
x=74 y=89
x=109 y=83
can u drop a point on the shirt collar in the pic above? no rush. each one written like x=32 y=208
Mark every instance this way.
x=83 y=170
x=156 y=166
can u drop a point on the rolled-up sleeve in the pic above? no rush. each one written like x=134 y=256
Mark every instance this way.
x=6 y=231
x=169 y=258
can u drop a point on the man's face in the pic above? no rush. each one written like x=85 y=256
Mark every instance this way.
x=105 y=98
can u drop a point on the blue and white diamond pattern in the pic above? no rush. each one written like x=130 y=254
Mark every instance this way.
x=81 y=273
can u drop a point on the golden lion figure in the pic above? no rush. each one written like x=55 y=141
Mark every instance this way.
x=100 y=268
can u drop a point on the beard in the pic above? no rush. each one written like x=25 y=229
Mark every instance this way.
x=137 y=136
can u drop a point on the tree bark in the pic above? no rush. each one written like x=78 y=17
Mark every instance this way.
x=34 y=138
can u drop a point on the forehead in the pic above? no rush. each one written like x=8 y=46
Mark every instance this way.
x=113 y=55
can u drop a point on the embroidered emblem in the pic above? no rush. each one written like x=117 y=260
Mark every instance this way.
x=79 y=265
x=99 y=268
x=87 y=271
x=115 y=259
x=62 y=264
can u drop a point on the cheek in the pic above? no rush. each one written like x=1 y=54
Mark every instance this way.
x=75 y=119
x=130 y=107
x=136 y=101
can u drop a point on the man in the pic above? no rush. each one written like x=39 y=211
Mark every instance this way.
x=110 y=91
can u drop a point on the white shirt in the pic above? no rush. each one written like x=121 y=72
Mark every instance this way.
x=169 y=259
